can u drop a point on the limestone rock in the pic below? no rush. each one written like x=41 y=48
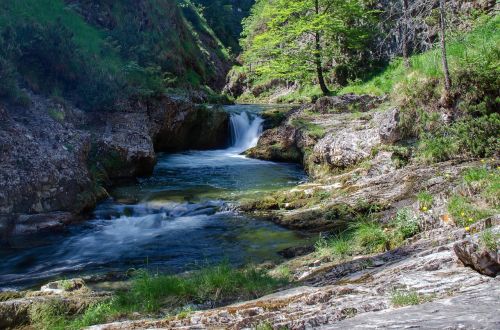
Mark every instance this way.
x=389 y=128
x=59 y=287
x=50 y=155
x=347 y=147
x=483 y=261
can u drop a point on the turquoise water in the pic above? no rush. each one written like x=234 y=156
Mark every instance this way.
x=180 y=218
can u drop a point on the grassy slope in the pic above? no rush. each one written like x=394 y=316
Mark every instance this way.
x=176 y=39
x=89 y=38
x=478 y=46
x=483 y=41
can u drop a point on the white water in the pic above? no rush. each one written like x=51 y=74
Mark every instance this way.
x=245 y=130
x=179 y=218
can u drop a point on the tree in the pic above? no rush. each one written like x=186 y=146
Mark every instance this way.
x=409 y=21
x=442 y=32
x=301 y=39
x=404 y=33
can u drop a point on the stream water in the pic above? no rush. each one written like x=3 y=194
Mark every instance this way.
x=178 y=219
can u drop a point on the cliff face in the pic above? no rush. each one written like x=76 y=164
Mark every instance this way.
x=55 y=160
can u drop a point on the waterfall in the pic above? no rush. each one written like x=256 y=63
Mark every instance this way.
x=245 y=130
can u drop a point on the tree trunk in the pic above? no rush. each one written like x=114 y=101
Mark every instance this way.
x=317 y=58
x=404 y=37
x=442 y=27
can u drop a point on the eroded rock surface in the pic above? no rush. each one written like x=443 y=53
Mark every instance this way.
x=54 y=158
x=358 y=294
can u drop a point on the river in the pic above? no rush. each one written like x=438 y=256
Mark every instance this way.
x=180 y=218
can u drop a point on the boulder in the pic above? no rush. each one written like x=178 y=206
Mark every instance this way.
x=389 y=131
x=59 y=287
x=340 y=149
x=483 y=261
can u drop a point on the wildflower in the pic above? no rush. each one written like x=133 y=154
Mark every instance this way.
x=424 y=208
x=482 y=160
x=462 y=214
x=467 y=228
x=471 y=220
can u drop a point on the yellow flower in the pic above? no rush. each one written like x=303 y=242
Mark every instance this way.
x=467 y=228
x=424 y=208
x=462 y=214
x=471 y=220
x=482 y=160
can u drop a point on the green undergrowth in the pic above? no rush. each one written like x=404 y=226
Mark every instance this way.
x=490 y=240
x=408 y=298
x=463 y=49
x=478 y=196
x=47 y=46
x=313 y=130
x=366 y=235
x=162 y=295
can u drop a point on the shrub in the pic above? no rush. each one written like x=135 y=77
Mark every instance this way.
x=478 y=137
x=437 y=148
x=370 y=237
x=425 y=200
x=406 y=223
x=489 y=240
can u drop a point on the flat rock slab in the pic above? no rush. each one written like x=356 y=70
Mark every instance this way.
x=477 y=309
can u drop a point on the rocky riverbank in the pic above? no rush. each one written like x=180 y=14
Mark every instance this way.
x=56 y=160
x=361 y=168
x=429 y=245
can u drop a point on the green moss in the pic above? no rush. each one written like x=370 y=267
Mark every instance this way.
x=8 y=295
x=313 y=130
x=57 y=115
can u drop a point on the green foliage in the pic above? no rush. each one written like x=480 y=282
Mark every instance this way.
x=149 y=293
x=485 y=182
x=425 y=200
x=463 y=212
x=475 y=53
x=475 y=175
x=271 y=35
x=47 y=45
x=50 y=315
x=313 y=130
x=406 y=223
x=409 y=298
x=338 y=247
x=224 y=17
x=370 y=236
x=57 y=115
x=489 y=240
x=475 y=137
x=434 y=148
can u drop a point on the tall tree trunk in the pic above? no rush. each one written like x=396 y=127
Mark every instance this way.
x=442 y=27
x=317 y=57
x=404 y=37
